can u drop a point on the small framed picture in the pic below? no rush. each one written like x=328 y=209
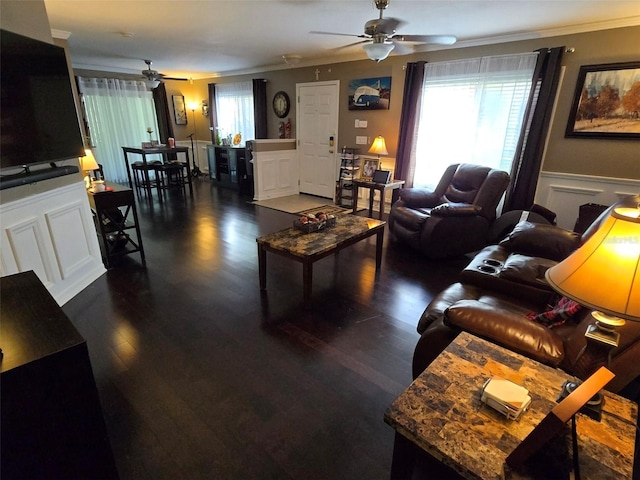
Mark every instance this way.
x=382 y=176
x=179 y=109
x=369 y=167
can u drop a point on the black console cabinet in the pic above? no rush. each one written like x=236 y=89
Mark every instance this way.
x=229 y=167
x=52 y=423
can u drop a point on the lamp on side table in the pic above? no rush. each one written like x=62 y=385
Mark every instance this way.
x=88 y=164
x=604 y=275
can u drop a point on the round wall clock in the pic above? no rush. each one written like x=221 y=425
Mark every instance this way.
x=281 y=104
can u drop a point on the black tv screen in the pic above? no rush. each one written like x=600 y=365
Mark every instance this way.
x=38 y=114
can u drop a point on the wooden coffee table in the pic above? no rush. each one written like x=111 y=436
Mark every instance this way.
x=308 y=248
x=440 y=418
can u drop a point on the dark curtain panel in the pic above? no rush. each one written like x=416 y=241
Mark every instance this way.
x=413 y=81
x=213 y=115
x=528 y=157
x=165 y=127
x=260 y=107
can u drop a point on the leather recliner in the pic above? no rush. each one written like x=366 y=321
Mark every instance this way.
x=505 y=282
x=455 y=218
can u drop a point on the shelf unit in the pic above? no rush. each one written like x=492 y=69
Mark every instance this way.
x=349 y=170
x=114 y=225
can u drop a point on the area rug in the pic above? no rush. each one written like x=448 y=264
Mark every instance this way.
x=293 y=203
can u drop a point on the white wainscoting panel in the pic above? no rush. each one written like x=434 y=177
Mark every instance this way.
x=28 y=248
x=275 y=174
x=53 y=234
x=564 y=193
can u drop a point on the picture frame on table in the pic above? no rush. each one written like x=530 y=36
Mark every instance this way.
x=179 y=109
x=369 y=167
x=606 y=102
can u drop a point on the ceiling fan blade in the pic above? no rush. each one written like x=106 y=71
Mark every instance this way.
x=402 y=48
x=175 y=78
x=388 y=25
x=439 y=39
x=352 y=44
x=339 y=34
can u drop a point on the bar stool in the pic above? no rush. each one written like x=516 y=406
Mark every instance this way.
x=141 y=172
x=171 y=175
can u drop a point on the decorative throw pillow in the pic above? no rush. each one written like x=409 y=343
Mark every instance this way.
x=556 y=315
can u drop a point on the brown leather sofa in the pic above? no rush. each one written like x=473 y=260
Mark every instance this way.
x=505 y=282
x=455 y=218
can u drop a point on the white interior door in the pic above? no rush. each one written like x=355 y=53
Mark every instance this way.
x=317 y=120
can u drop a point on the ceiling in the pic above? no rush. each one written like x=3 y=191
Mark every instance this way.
x=209 y=38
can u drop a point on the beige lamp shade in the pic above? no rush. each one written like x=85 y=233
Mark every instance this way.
x=378 y=147
x=604 y=274
x=88 y=162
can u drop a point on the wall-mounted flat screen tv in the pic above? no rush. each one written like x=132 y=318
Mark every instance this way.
x=38 y=118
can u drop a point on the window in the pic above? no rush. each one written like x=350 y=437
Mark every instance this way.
x=472 y=112
x=118 y=113
x=234 y=108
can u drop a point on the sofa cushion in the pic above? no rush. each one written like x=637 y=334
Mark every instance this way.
x=556 y=314
x=540 y=240
x=525 y=269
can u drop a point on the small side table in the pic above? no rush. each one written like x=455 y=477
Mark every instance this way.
x=440 y=418
x=372 y=186
x=111 y=221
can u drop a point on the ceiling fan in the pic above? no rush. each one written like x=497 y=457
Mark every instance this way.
x=381 y=38
x=153 y=77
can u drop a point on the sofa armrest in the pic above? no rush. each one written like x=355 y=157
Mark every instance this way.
x=419 y=198
x=455 y=210
x=443 y=300
x=508 y=328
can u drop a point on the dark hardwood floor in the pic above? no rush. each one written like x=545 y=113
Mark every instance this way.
x=202 y=376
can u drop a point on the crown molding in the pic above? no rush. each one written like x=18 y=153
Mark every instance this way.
x=60 y=34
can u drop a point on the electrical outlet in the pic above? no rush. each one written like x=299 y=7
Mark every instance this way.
x=361 y=140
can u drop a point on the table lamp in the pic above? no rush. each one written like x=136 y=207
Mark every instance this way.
x=378 y=147
x=88 y=164
x=604 y=275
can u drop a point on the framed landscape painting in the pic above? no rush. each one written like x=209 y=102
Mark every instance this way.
x=606 y=102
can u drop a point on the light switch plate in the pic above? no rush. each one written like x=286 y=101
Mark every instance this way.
x=361 y=140
x=363 y=124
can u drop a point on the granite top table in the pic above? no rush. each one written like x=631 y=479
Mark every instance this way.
x=308 y=248
x=441 y=413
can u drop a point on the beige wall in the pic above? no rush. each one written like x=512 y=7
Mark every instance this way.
x=609 y=158
x=26 y=18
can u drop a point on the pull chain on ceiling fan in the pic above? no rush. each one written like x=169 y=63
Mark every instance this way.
x=381 y=38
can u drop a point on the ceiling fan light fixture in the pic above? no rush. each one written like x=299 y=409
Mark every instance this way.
x=378 y=51
x=151 y=84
